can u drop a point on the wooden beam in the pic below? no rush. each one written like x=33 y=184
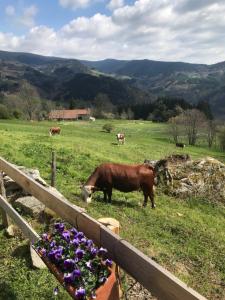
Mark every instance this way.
x=151 y=275
x=21 y=223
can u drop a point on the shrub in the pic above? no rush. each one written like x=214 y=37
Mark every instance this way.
x=4 y=113
x=108 y=127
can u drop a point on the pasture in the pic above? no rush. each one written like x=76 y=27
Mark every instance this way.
x=185 y=236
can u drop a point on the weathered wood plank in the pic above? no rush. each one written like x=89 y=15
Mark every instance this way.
x=5 y=218
x=22 y=224
x=151 y=275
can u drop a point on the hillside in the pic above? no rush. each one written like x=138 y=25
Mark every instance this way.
x=124 y=82
x=62 y=80
x=193 y=82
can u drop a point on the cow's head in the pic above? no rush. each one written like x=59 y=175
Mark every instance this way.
x=86 y=192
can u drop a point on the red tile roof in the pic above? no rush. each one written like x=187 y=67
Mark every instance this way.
x=68 y=113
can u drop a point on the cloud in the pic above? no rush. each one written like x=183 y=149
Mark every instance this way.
x=27 y=18
x=10 y=10
x=155 y=29
x=114 y=4
x=74 y=4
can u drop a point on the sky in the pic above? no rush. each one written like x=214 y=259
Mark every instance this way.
x=165 y=30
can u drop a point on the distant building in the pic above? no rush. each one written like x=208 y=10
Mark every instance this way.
x=70 y=114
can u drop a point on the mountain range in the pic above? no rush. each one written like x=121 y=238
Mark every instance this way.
x=124 y=81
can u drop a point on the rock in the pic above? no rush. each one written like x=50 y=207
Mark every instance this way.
x=30 y=205
x=12 y=230
x=36 y=260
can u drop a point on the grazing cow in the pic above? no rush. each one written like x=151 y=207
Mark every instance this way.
x=181 y=145
x=54 y=130
x=92 y=119
x=161 y=170
x=125 y=178
x=120 y=138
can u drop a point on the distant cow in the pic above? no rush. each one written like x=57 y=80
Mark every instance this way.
x=92 y=119
x=120 y=138
x=54 y=130
x=125 y=178
x=181 y=145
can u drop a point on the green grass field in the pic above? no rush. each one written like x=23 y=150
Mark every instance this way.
x=191 y=246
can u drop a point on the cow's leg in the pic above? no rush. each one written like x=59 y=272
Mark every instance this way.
x=105 y=195
x=109 y=192
x=151 y=196
x=145 y=199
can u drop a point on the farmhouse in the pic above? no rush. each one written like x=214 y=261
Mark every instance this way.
x=70 y=114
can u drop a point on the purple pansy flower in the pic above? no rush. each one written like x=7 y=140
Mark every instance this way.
x=44 y=237
x=83 y=241
x=68 y=264
x=89 y=243
x=73 y=230
x=80 y=293
x=89 y=265
x=75 y=243
x=94 y=251
x=68 y=278
x=79 y=253
x=52 y=244
x=59 y=227
x=102 y=251
x=43 y=251
x=108 y=262
x=56 y=291
x=79 y=235
x=76 y=273
x=51 y=254
x=66 y=235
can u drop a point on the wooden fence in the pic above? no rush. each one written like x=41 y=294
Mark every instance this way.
x=151 y=275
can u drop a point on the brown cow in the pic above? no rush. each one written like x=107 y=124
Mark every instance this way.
x=125 y=178
x=54 y=130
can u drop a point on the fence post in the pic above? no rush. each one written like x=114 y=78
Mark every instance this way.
x=53 y=169
x=5 y=218
x=114 y=226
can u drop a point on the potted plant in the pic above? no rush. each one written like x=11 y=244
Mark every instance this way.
x=81 y=267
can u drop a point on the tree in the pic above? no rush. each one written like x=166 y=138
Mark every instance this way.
x=130 y=114
x=211 y=128
x=175 y=127
x=102 y=105
x=31 y=101
x=4 y=113
x=193 y=120
x=222 y=138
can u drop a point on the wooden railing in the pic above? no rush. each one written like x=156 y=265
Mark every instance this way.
x=151 y=275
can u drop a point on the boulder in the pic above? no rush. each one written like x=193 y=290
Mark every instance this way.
x=29 y=205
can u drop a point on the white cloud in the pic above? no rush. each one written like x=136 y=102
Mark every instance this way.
x=27 y=18
x=10 y=10
x=153 y=29
x=74 y=4
x=114 y=4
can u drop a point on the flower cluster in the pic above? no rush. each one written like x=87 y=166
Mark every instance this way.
x=83 y=265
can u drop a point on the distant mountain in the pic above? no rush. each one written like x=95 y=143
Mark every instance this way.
x=124 y=81
x=63 y=80
x=193 y=82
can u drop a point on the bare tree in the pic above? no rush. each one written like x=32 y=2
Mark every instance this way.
x=193 y=120
x=211 y=128
x=175 y=127
x=30 y=99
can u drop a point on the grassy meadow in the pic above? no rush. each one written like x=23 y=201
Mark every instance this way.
x=185 y=236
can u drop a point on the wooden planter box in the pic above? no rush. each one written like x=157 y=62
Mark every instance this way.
x=108 y=291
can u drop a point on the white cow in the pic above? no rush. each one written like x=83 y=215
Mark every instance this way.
x=92 y=119
x=120 y=138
